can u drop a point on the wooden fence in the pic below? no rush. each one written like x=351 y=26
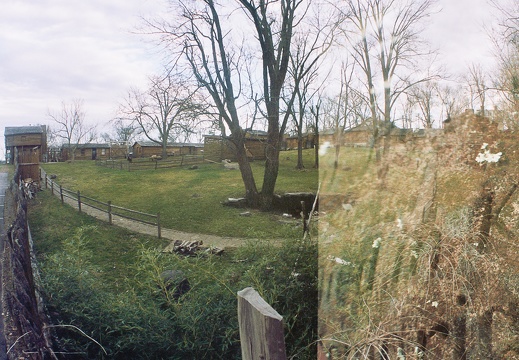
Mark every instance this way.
x=107 y=207
x=150 y=164
x=261 y=328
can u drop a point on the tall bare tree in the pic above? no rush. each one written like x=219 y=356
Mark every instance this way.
x=168 y=105
x=208 y=45
x=477 y=82
x=505 y=37
x=424 y=96
x=307 y=53
x=71 y=127
x=453 y=100
x=384 y=39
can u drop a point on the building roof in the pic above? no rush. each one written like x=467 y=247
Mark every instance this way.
x=20 y=130
x=87 y=146
x=252 y=132
x=154 y=144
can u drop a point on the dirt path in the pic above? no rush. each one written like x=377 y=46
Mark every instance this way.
x=170 y=234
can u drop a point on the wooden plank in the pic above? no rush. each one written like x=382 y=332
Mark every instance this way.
x=261 y=328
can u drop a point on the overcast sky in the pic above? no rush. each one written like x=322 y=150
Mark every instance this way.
x=58 y=50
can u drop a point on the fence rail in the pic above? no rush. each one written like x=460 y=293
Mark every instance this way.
x=151 y=164
x=106 y=207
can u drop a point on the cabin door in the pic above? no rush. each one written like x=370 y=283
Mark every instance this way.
x=94 y=154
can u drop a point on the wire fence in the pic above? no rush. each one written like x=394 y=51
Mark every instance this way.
x=110 y=209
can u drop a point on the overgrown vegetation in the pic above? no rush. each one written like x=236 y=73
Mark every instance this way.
x=190 y=199
x=107 y=282
x=419 y=261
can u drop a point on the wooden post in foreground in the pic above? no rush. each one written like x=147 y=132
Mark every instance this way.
x=261 y=328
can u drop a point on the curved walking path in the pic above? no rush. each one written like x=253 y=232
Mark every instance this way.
x=170 y=234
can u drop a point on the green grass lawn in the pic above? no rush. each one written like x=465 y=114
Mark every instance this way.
x=190 y=200
x=106 y=281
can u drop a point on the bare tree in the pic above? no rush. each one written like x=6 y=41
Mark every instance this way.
x=453 y=100
x=209 y=48
x=385 y=35
x=505 y=37
x=71 y=127
x=308 y=51
x=476 y=81
x=169 y=105
x=343 y=108
x=424 y=95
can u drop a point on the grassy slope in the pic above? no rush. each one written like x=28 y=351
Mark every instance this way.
x=374 y=280
x=189 y=200
x=106 y=282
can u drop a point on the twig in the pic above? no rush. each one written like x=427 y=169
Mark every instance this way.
x=82 y=332
x=11 y=347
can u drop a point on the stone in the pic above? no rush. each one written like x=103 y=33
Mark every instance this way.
x=347 y=207
x=175 y=281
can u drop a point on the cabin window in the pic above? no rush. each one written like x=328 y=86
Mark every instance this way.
x=103 y=151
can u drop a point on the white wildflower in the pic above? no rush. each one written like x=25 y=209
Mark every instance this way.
x=339 y=260
x=434 y=304
x=399 y=224
x=376 y=243
x=414 y=254
x=487 y=156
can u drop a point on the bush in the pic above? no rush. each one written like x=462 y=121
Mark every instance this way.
x=139 y=318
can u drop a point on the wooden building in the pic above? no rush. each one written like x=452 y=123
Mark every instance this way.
x=149 y=148
x=85 y=152
x=217 y=148
x=309 y=141
x=29 y=141
x=360 y=135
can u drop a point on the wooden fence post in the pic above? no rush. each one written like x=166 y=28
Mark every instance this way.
x=158 y=226
x=61 y=193
x=261 y=328
x=79 y=200
x=46 y=181
x=110 y=212
x=52 y=187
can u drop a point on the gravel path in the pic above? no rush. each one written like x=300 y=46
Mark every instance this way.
x=170 y=234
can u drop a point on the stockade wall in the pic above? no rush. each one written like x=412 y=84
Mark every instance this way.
x=149 y=164
x=26 y=327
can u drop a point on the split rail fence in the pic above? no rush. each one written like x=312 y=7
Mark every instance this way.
x=150 y=164
x=107 y=207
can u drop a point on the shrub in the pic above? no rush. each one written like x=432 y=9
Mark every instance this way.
x=139 y=318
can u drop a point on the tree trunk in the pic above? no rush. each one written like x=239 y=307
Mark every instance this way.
x=272 y=150
x=271 y=166
x=251 y=191
x=316 y=151
x=300 y=164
